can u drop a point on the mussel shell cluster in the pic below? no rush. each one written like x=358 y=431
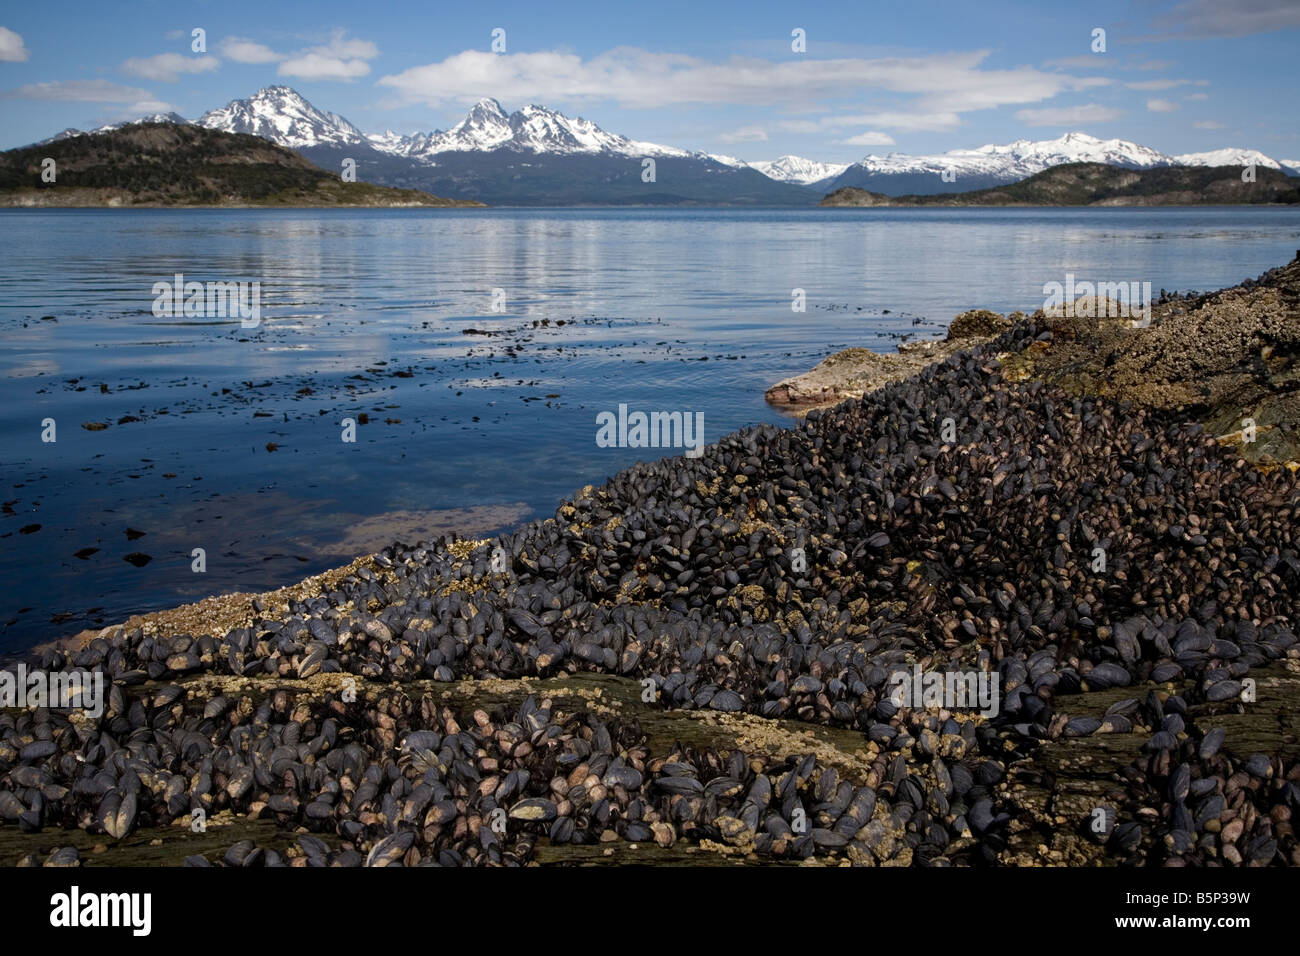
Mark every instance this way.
x=956 y=519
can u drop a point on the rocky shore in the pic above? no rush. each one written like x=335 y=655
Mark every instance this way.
x=1221 y=358
x=853 y=372
x=1098 y=184
x=695 y=662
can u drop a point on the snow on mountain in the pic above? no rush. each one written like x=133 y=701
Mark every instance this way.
x=70 y=132
x=735 y=162
x=533 y=129
x=796 y=169
x=385 y=142
x=1001 y=164
x=1021 y=158
x=1290 y=166
x=1076 y=148
x=281 y=115
x=1227 y=157
x=151 y=118
x=992 y=164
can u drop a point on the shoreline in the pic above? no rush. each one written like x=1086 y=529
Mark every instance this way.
x=1248 y=369
x=450 y=204
x=1128 y=581
x=845 y=375
x=475 y=204
x=854 y=372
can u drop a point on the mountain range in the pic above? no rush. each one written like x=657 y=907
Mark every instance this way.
x=1099 y=184
x=1000 y=165
x=533 y=156
x=538 y=156
x=166 y=163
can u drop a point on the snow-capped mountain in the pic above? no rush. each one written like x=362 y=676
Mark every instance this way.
x=537 y=155
x=151 y=118
x=1031 y=157
x=108 y=127
x=1290 y=166
x=386 y=142
x=532 y=156
x=995 y=164
x=533 y=129
x=68 y=133
x=796 y=169
x=998 y=165
x=733 y=161
x=281 y=115
x=1228 y=157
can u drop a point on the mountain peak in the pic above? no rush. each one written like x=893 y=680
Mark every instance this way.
x=279 y=91
x=70 y=132
x=168 y=117
x=796 y=169
x=532 y=129
x=282 y=115
x=488 y=104
x=1001 y=164
x=1229 y=156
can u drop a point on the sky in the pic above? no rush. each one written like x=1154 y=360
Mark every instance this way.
x=872 y=77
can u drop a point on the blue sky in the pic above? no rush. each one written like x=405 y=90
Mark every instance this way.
x=876 y=76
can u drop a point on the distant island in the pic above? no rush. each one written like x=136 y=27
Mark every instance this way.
x=1096 y=184
x=166 y=164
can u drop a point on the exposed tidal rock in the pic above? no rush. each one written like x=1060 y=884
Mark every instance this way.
x=854 y=372
x=1230 y=359
x=1127 y=579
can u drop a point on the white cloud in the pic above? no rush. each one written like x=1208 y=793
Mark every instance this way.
x=344 y=48
x=746 y=134
x=639 y=79
x=1197 y=96
x=1108 y=61
x=124 y=102
x=11 y=47
x=320 y=66
x=1085 y=61
x=869 y=138
x=339 y=59
x=1068 y=115
x=1153 y=85
x=168 y=67
x=242 y=50
x=1161 y=106
x=132 y=111
x=903 y=122
x=897 y=121
x=1214 y=18
x=1208 y=124
x=79 y=91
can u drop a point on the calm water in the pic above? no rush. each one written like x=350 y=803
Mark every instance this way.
x=366 y=312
